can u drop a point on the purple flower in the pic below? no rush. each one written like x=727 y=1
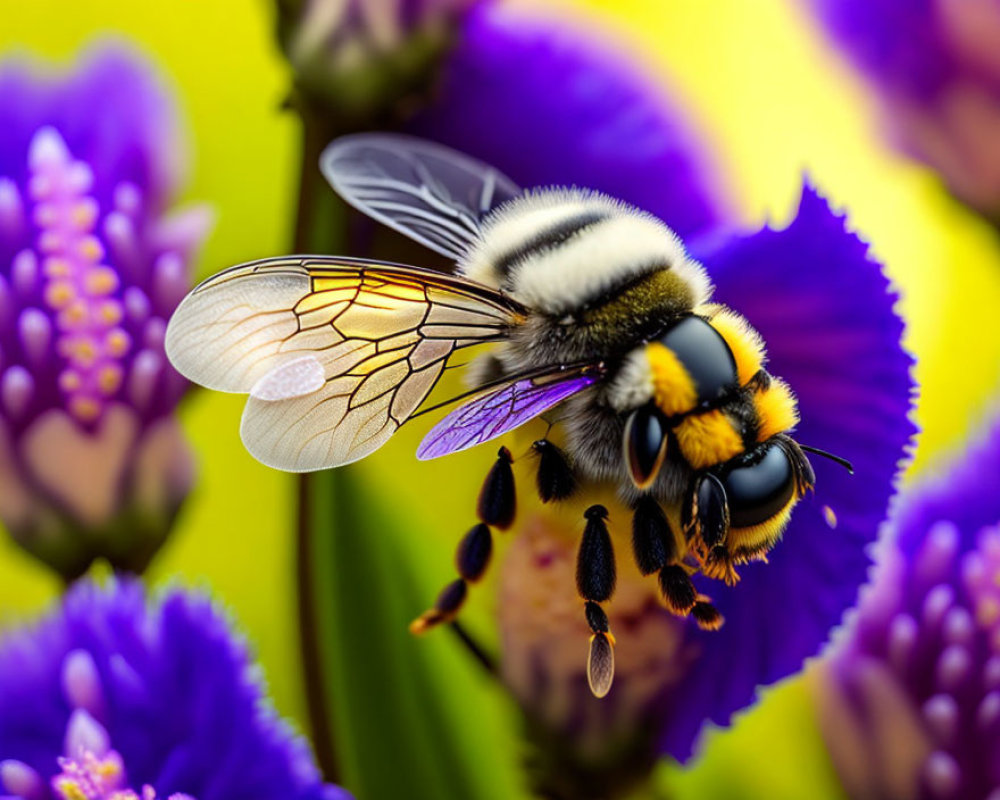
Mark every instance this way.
x=113 y=693
x=936 y=67
x=551 y=105
x=911 y=696
x=92 y=461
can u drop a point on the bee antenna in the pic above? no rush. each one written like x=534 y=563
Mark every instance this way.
x=842 y=461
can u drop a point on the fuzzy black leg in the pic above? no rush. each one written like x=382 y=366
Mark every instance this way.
x=595 y=565
x=497 y=500
x=706 y=615
x=595 y=580
x=555 y=477
x=706 y=512
x=474 y=552
x=678 y=591
x=656 y=551
x=471 y=559
x=496 y=506
x=653 y=542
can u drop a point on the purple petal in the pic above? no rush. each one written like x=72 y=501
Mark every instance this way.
x=826 y=312
x=494 y=414
x=550 y=104
x=132 y=139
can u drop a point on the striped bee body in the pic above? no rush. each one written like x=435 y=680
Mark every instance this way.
x=601 y=280
x=600 y=322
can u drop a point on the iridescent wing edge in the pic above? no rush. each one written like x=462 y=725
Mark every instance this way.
x=499 y=411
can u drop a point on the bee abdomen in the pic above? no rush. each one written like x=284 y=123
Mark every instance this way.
x=547 y=238
x=556 y=251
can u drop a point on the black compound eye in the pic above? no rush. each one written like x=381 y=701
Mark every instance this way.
x=645 y=444
x=705 y=355
x=758 y=491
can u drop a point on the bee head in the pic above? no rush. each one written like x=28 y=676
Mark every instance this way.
x=686 y=367
x=743 y=505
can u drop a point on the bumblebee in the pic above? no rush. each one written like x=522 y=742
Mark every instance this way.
x=601 y=324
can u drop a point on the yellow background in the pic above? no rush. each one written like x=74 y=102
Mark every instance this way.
x=772 y=101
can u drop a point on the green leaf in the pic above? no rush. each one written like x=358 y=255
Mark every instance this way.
x=410 y=717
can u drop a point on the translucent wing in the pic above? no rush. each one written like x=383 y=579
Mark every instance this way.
x=429 y=192
x=335 y=353
x=495 y=413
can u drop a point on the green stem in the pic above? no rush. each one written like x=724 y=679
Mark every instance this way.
x=320 y=226
x=475 y=649
x=377 y=696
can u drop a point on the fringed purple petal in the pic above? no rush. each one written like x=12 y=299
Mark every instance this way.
x=826 y=312
x=182 y=702
x=552 y=105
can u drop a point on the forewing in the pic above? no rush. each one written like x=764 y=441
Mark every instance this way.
x=335 y=353
x=429 y=192
x=495 y=413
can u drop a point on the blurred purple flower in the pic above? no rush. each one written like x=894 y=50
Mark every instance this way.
x=92 y=461
x=911 y=695
x=936 y=66
x=113 y=691
x=549 y=104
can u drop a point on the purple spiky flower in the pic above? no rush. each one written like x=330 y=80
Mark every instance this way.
x=911 y=697
x=92 y=461
x=114 y=696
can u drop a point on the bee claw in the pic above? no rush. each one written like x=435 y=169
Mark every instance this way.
x=445 y=607
x=719 y=565
x=706 y=615
x=426 y=621
x=601 y=664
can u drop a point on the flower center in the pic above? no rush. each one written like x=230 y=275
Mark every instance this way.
x=981 y=575
x=88 y=777
x=79 y=289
